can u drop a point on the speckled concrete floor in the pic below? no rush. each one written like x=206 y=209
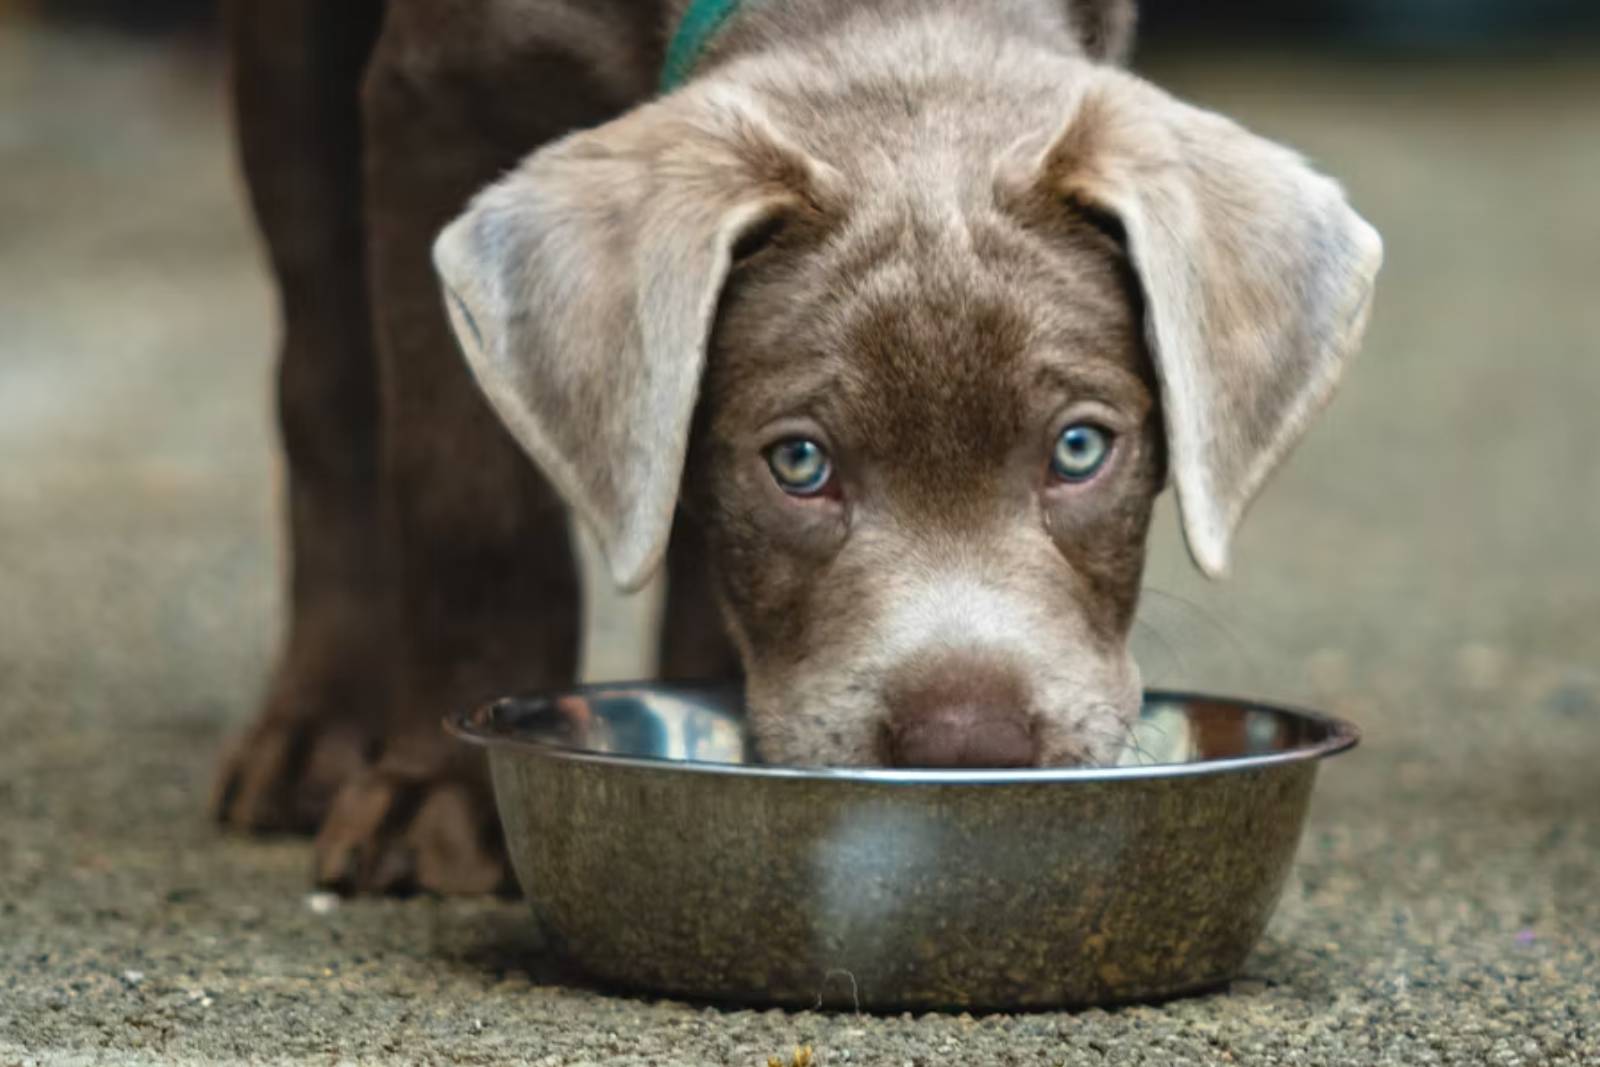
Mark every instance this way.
x=1426 y=564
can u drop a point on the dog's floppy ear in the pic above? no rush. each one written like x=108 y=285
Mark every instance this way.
x=1257 y=277
x=582 y=287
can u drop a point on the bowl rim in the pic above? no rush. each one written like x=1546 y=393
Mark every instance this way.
x=469 y=725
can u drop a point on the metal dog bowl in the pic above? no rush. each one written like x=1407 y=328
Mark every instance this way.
x=657 y=857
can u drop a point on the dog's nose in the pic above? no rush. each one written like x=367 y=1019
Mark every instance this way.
x=963 y=713
x=961 y=735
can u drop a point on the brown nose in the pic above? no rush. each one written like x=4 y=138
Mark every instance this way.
x=961 y=713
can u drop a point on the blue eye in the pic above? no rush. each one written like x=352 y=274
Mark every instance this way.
x=1080 y=451
x=800 y=466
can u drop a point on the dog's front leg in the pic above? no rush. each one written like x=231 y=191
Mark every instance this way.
x=489 y=595
x=296 y=70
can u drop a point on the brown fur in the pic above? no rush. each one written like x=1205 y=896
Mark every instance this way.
x=926 y=233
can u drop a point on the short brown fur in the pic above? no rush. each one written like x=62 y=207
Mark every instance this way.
x=926 y=233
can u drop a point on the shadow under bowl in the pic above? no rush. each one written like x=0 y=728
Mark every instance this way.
x=658 y=856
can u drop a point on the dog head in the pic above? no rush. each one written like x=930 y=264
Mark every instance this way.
x=919 y=353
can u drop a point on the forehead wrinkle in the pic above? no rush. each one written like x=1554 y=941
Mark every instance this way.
x=915 y=326
x=867 y=244
x=1080 y=379
x=930 y=384
x=1085 y=313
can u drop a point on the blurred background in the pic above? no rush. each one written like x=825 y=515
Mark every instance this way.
x=1427 y=563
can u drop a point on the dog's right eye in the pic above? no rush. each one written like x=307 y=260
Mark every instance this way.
x=800 y=466
x=1081 y=450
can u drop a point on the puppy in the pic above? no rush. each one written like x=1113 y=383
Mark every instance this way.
x=897 y=315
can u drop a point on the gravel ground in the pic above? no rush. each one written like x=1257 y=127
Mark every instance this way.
x=1426 y=565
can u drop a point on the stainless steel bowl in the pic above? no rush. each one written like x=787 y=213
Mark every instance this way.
x=657 y=857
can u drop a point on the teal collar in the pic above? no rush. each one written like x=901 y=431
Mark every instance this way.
x=699 y=25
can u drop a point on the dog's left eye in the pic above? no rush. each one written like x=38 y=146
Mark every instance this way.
x=800 y=466
x=1080 y=452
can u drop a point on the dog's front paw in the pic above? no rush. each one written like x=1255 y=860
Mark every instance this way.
x=282 y=775
x=396 y=829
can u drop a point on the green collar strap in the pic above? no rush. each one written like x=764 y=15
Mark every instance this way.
x=699 y=25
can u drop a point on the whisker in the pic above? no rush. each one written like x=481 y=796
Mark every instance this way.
x=1123 y=736
x=1161 y=639
x=1132 y=730
x=1148 y=724
x=1231 y=636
